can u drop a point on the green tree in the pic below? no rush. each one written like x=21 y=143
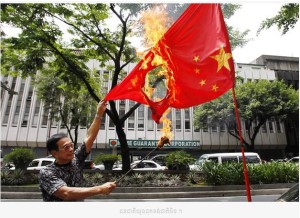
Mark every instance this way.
x=41 y=47
x=20 y=157
x=285 y=19
x=74 y=107
x=257 y=102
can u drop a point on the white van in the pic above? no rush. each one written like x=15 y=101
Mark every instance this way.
x=220 y=158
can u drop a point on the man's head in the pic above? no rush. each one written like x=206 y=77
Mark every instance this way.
x=52 y=141
x=61 y=147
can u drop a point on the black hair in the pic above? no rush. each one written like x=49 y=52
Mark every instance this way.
x=51 y=142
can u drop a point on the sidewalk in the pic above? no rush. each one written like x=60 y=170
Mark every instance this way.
x=19 y=192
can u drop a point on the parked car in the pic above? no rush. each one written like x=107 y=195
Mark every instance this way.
x=291 y=195
x=117 y=164
x=40 y=163
x=251 y=157
x=144 y=166
x=160 y=159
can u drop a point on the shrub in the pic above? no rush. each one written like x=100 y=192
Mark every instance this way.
x=233 y=173
x=107 y=159
x=179 y=160
x=20 y=157
x=17 y=177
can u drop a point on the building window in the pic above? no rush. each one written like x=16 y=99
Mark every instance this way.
x=178 y=120
x=122 y=109
x=141 y=117
x=187 y=120
x=45 y=118
x=214 y=128
x=231 y=125
x=27 y=108
x=8 y=107
x=3 y=91
x=150 y=122
x=36 y=113
x=19 y=102
x=222 y=127
x=271 y=127
x=264 y=128
x=111 y=124
x=131 y=118
x=102 y=126
x=278 y=126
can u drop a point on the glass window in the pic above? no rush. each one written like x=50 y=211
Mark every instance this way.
x=45 y=118
x=19 y=101
x=214 y=128
x=3 y=91
x=102 y=126
x=36 y=113
x=222 y=127
x=250 y=159
x=34 y=163
x=213 y=159
x=141 y=117
x=46 y=162
x=131 y=118
x=27 y=108
x=264 y=128
x=229 y=159
x=278 y=126
x=178 y=119
x=204 y=127
x=150 y=122
x=271 y=128
x=187 y=120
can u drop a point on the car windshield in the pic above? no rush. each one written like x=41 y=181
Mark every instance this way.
x=34 y=163
x=250 y=159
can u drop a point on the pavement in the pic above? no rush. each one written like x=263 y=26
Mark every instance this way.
x=22 y=192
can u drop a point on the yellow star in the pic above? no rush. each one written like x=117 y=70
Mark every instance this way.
x=202 y=82
x=196 y=58
x=215 y=87
x=197 y=70
x=134 y=81
x=222 y=59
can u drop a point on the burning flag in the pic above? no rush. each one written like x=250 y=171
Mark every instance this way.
x=194 y=58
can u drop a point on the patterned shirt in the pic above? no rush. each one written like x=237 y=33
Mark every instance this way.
x=54 y=175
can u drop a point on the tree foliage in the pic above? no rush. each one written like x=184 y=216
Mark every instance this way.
x=257 y=102
x=285 y=19
x=20 y=157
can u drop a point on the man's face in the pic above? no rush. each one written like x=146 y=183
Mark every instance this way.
x=65 y=151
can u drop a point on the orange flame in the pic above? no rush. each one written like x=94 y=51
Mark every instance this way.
x=167 y=125
x=155 y=21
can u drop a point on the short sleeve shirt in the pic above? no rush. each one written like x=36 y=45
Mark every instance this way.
x=54 y=176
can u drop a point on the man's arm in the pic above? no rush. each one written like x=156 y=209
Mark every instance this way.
x=79 y=193
x=95 y=126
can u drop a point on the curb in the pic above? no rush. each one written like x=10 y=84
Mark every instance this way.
x=14 y=192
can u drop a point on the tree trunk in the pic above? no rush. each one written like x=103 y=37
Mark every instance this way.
x=124 y=148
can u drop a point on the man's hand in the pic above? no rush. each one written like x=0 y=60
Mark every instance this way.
x=107 y=188
x=101 y=107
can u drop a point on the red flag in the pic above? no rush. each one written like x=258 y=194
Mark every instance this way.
x=196 y=55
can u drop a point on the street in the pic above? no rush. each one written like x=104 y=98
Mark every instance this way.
x=256 y=198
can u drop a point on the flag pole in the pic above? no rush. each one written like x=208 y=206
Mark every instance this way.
x=246 y=177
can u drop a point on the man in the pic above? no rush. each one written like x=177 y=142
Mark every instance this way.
x=61 y=180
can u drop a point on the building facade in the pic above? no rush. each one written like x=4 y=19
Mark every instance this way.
x=286 y=69
x=24 y=123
